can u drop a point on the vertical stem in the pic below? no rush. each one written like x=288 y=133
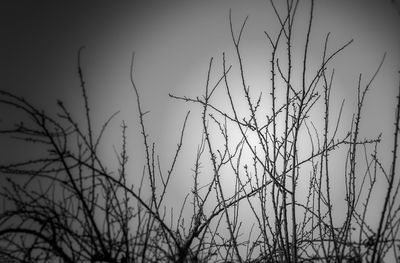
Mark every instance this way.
x=391 y=180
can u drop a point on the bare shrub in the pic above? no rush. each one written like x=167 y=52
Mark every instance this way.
x=277 y=153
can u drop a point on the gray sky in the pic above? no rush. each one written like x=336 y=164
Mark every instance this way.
x=173 y=42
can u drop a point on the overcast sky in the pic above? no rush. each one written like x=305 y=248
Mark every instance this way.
x=173 y=42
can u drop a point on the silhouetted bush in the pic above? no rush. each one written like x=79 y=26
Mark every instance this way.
x=68 y=207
